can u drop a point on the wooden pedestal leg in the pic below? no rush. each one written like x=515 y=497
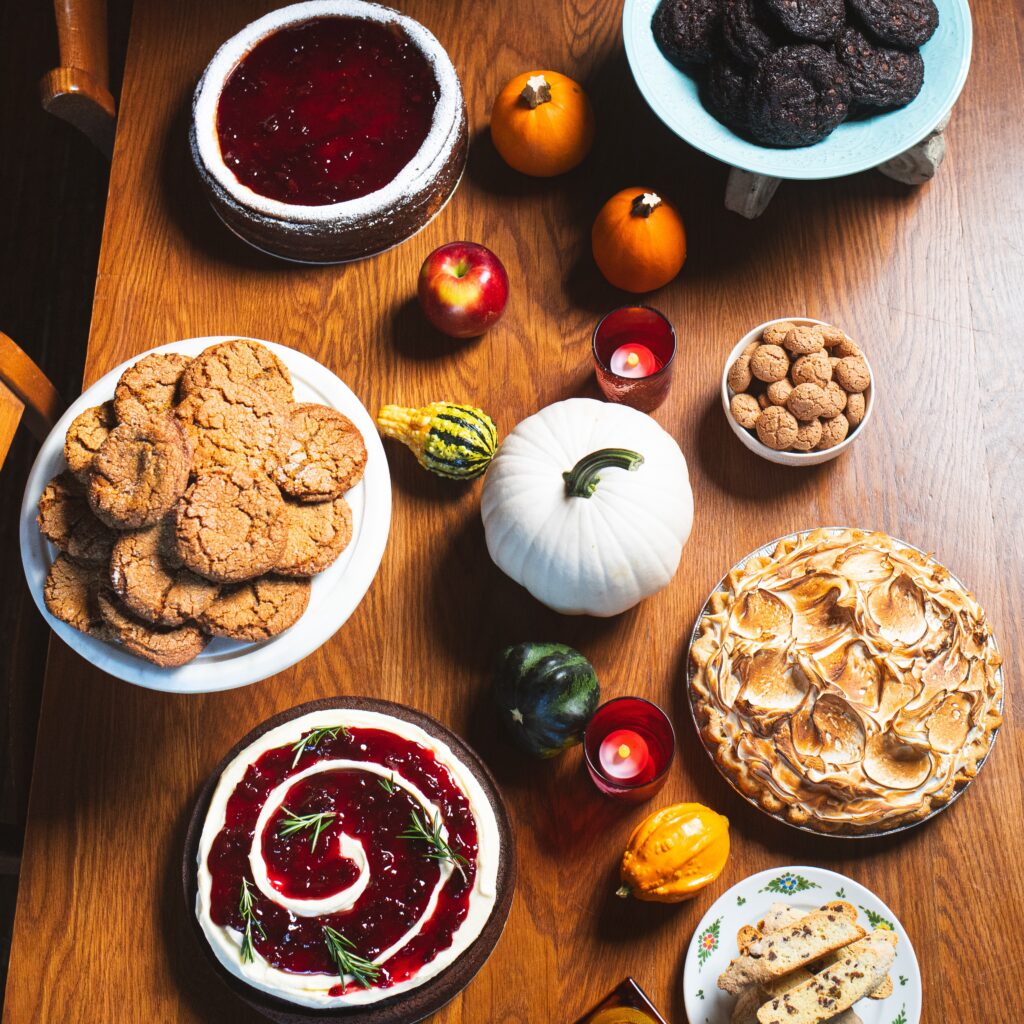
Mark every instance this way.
x=919 y=163
x=749 y=194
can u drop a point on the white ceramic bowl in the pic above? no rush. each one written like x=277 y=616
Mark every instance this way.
x=750 y=440
x=225 y=664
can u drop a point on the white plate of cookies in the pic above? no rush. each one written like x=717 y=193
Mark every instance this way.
x=801 y=945
x=206 y=515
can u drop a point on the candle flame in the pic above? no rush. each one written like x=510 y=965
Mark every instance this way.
x=623 y=751
x=631 y=360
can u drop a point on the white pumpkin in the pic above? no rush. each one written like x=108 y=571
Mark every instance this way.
x=601 y=537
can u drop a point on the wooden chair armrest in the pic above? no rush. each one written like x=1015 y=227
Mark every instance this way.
x=79 y=90
x=43 y=406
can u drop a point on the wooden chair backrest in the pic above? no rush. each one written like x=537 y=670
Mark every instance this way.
x=25 y=394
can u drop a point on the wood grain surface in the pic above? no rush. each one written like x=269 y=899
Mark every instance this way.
x=928 y=280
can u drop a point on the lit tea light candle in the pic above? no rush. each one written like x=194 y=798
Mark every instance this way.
x=633 y=360
x=624 y=755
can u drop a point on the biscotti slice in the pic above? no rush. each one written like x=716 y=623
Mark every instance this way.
x=864 y=964
x=778 y=916
x=796 y=945
x=752 y=999
x=883 y=989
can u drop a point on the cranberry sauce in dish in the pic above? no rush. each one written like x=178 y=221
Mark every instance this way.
x=346 y=855
x=326 y=110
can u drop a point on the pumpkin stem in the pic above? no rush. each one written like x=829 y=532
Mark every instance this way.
x=536 y=91
x=622 y=892
x=581 y=481
x=645 y=204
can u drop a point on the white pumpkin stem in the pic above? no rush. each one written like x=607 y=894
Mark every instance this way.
x=645 y=204
x=581 y=481
x=536 y=91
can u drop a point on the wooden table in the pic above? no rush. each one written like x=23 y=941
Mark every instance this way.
x=929 y=279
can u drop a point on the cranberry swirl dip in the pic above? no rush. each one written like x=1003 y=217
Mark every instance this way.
x=347 y=856
x=846 y=682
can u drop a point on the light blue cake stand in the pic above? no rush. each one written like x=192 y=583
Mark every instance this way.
x=906 y=144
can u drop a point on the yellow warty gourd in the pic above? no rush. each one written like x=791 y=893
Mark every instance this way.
x=674 y=853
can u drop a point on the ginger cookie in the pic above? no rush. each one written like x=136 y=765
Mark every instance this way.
x=86 y=435
x=139 y=473
x=745 y=409
x=146 y=575
x=231 y=525
x=325 y=454
x=66 y=521
x=769 y=363
x=258 y=609
x=239 y=363
x=833 y=431
x=165 y=646
x=235 y=427
x=776 y=427
x=71 y=591
x=149 y=387
x=317 y=535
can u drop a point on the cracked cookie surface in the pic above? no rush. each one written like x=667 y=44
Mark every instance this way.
x=165 y=646
x=139 y=473
x=231 y=525
x=66 y=520
x=71 y=591
x=146 y=574
x=325 y=454
x=239 y=363
x=149 y=387
x=317 y=535
x=85 y=437
x=258 y=609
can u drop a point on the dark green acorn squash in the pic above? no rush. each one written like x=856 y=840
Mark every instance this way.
x=546 y=694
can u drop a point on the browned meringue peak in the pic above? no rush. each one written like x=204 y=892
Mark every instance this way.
x=949 y=723
x=945 y=673
x=853 y=668
x=771 y=682
x=863 y=564
x=822 y=604
x=893 y=763
x=897 y=607
x=759 y=613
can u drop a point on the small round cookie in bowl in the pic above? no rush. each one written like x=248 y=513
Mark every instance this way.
x=797 y=391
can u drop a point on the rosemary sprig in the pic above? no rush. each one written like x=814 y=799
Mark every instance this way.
x=430 y=833
x=347 y=960
x=317 y=823
x=313 y=739
x=388 y=785
x=249 y=917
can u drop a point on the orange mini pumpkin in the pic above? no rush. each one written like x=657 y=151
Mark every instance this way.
x=542 y=123
x=638 y=240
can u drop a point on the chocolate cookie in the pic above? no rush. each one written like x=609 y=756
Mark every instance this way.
x=149 y=387
x=726 y=92
x=146 y=575
x=880 y=76
x=317 y=535
x=816 y=20
x=164 y=646
x=239 y=363
x=66 y=521
x=325 y=454
x=86 y=435
x=906 y=23
x=258 y=609
x=71 y=590
x=686 y=29
x=749 y=32
x=139 y=473
x=798 y=96
x=231 y=525
x=235 y=427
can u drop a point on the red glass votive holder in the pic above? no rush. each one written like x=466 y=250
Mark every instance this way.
x=639 y=326
x=629 y=745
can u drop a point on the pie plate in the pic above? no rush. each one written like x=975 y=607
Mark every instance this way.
x=767 y=549
x=226 y=664
x=804 y=888
x=856 y=145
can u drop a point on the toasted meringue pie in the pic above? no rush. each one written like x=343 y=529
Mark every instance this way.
x=846 y=683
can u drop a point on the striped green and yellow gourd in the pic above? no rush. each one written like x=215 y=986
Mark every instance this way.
x=452 y=440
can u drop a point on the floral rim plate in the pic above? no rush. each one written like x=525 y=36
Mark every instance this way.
x=767 y=549
x=225 y=664
x=854 y=146
x=714 y=942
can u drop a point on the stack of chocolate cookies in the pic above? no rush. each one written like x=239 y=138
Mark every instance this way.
x=198 y=503
x=789 y=72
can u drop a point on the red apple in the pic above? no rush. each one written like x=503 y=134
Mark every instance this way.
x=463 y=289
